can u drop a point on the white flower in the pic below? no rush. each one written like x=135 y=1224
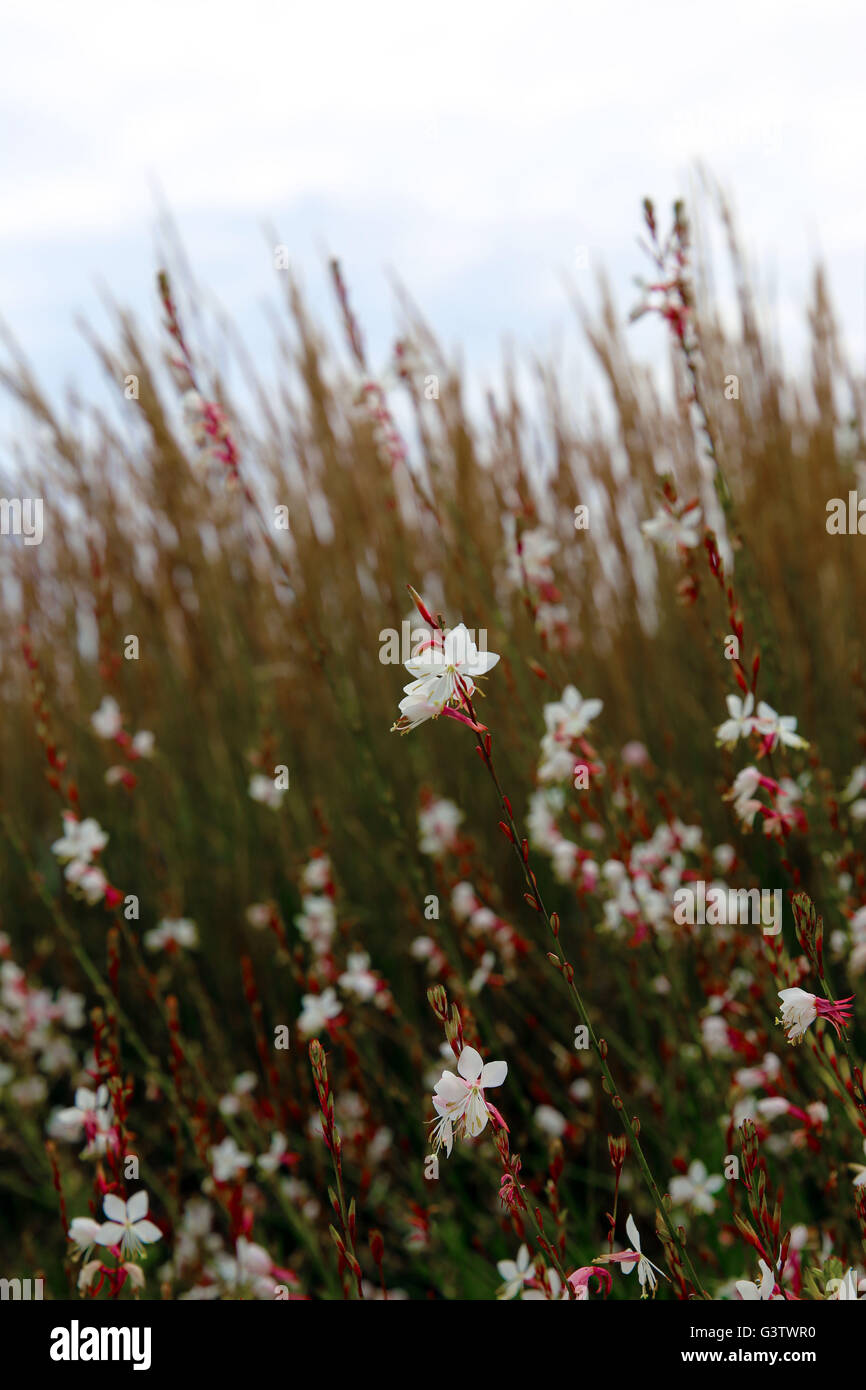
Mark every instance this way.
x=88 y=1273
x=71 y=1008
x=541 y=821
x=136 y=1275
x=565 y=720
x=357 y=978
x=550 y=618
x=550 y=1121
x=227 y=1160
x=768 y=1070
x=459 y=1100
x=571 y=716
x=515 y=1273
x=696 y=1188
x=143 y=743
x=244 y=1083
x=316 y=1010
x=481 y=974
x=272 y=1160
x=317 y=874
x=646 y=1270
x=742 y=793
x=88 y=879
x=537 y=548
x=772 y=1107
x=91 y=1110
x=84 y=1232
x=758 y=1292
x=416 y=707
x=437 y=826
x=778 y=728
x=564 y=859
x=557 y=762
x=798 y=1012
x=446 y=660
x=252 y=1267
x=634 y=753
x=444 y=673
x=464 y=901
x=174 y=931
x=670 y=531
x=107 y=721
x=127 y=1224
x=318 y=921
x=81 y=839
x=742 y=721
x=265 y=790
x=552 y=1289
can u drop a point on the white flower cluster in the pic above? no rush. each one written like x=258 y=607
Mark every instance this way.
x=33 y=1021
x=640 y=888
x=107 y=722
x=482 y=921
x=565 y=721
x=317 y=920
x=744 y=720
x=80 y=842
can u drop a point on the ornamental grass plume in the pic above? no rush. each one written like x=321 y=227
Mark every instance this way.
x=228 y=894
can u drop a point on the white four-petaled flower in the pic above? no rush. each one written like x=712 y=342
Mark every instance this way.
x=778 y=728
x=459 y=1100
x=317 y=1010
x=670 y=531
x=227 y=1160
x=127 y=1224
x=515 y=1273
x=741 y=723
x=695 y=1189
x=81 y=839
x=646 y=1270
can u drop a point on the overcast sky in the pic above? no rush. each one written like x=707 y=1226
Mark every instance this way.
x=469 y=148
